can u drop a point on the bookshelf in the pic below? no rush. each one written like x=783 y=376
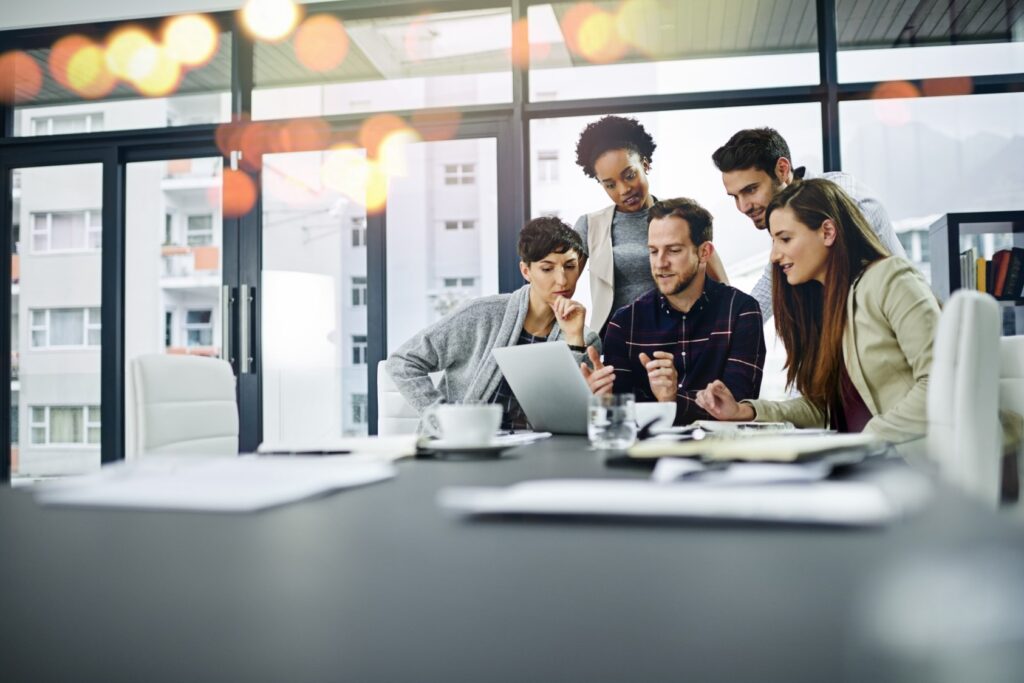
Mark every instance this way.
x=985 y=231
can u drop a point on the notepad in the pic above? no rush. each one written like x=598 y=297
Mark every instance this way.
x=790 y=447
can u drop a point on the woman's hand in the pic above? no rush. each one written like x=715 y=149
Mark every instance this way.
x=570 y=315
x=602 y=378
x=720 y=404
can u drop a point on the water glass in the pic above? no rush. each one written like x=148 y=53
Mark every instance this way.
x=611 y=421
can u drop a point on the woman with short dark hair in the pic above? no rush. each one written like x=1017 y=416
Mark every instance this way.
x=551 y=258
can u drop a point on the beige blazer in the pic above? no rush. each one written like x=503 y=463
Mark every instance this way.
x=891 y=320
x=601 y=264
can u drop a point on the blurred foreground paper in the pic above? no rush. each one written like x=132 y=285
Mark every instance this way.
x=243 y=484
x=846 y=503
x=791 y=447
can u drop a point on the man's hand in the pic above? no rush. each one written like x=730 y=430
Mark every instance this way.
x=716 y=269
x=720 y=404
x=570 y=315
x=601 y=378
x=662 y=374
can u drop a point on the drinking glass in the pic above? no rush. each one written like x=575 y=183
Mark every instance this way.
x=611 y=421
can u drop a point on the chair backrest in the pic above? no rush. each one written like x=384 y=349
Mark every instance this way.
x=1011 y=396
x=964 y=435
x=184 y=405
x=394 y=414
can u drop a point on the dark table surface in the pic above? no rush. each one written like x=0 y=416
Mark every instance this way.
x=379 y=584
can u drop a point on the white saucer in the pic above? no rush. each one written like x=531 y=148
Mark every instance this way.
x=441 y=446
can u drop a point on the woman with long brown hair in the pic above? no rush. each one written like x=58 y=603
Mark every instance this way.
x=857 y=323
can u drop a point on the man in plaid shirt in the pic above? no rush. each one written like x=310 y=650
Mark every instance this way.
x=687 y=332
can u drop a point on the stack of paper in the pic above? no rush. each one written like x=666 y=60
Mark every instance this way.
x=240 y=484
x=790 y=447
x=385 y=447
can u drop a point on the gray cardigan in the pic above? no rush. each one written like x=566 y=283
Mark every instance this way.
x=460 y=344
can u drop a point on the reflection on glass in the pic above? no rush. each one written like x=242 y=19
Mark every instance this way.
x=55 y=321
x=915 y=40
x=313 y=303
x=173 y=262
x=681 y=166
x=385 y=64
x=930 y=156
x=80 y=94
x=442 y=233
x=647 y=47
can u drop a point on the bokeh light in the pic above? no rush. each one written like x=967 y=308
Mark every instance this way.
x=392 y=154
x=321 y=43
x=131 y=53
x=301 y=135
x=253 y=143
x=191 y=40
x=20 y=77
x=438 y=124
x=599 y=40
x=88 y=74
x=345 y=170
x=271 y=20
x=633 y=23
x=238 y=190
x=891 y=106
x=62 y=52
x=947 y=87
x=572 y=22
x=229 y=135
x=163 y=76
x=376 y=128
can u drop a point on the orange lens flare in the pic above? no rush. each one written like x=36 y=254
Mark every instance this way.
x=238 y=191
x=88 y=73
x=61 y=54
x=21 y=78
x=271 y=20
x=162 y=77
x=599 y=39
x=131 y=53
x=303 y=135
x=376 y=128
x=440 y=124
x=321 y=43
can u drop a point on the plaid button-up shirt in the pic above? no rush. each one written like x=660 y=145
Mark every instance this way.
x=721 y=337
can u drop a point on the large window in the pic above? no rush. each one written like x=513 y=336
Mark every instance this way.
x=65 y=425
x=65 y=327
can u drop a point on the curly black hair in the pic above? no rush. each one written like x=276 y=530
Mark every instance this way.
x=612 y=132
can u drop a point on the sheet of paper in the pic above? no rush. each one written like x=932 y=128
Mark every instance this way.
x=759 y=447
x=241 y=484
x=856 y=503
x=696 y=472
x=392 y=447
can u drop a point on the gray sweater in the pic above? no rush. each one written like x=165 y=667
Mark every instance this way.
x=460 y=344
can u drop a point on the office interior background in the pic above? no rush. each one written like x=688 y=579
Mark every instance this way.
x=301 y=204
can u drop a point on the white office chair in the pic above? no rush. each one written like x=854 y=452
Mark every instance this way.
x=1011 y=393
x=394 y=414
x=184 y=405
x=964 y=434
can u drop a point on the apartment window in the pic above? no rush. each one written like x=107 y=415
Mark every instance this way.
x=358 y=228
x=460 y=225
x=65 y=327
x=199 y=231
x=62 y=125
x=359 y=291
x=459 y=174
x=66 y=230
x=168 y=329
x=65 y=425
x=358 y=349
x=168 y=229
x=459 y=281
x=359 y=412
x=547 y=166
x=199 y=327
x=14 y=418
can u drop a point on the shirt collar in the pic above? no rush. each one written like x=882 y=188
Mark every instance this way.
x=711 y=290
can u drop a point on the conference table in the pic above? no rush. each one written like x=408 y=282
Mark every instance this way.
x=380 y=584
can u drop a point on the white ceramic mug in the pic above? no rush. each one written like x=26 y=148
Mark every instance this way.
x=468 y=424
x=664 y=412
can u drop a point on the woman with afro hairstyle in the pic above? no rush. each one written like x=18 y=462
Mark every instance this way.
x=617 y=151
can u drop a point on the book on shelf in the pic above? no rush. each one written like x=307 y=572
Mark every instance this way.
x=1014 y=274
x=981 y=272
x=1000 y=267
x=968 y=269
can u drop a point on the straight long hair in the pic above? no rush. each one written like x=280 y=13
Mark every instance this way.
x=811 y=317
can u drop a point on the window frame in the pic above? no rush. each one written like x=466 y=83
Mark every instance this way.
x=88 y=423
x=89 y=325
x=90 y=231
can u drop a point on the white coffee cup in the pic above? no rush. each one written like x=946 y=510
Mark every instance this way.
x=662 y=411
x=468 y=424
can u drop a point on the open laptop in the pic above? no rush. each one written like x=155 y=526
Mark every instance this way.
x=547 y=382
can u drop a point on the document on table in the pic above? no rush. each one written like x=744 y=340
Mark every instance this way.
x=791 y=447
x=239 y=484
x=842 y=503
x=392 y=447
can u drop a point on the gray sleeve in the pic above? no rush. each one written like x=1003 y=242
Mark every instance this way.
x=762 y=292
x=582 y=227
x=426 y=352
